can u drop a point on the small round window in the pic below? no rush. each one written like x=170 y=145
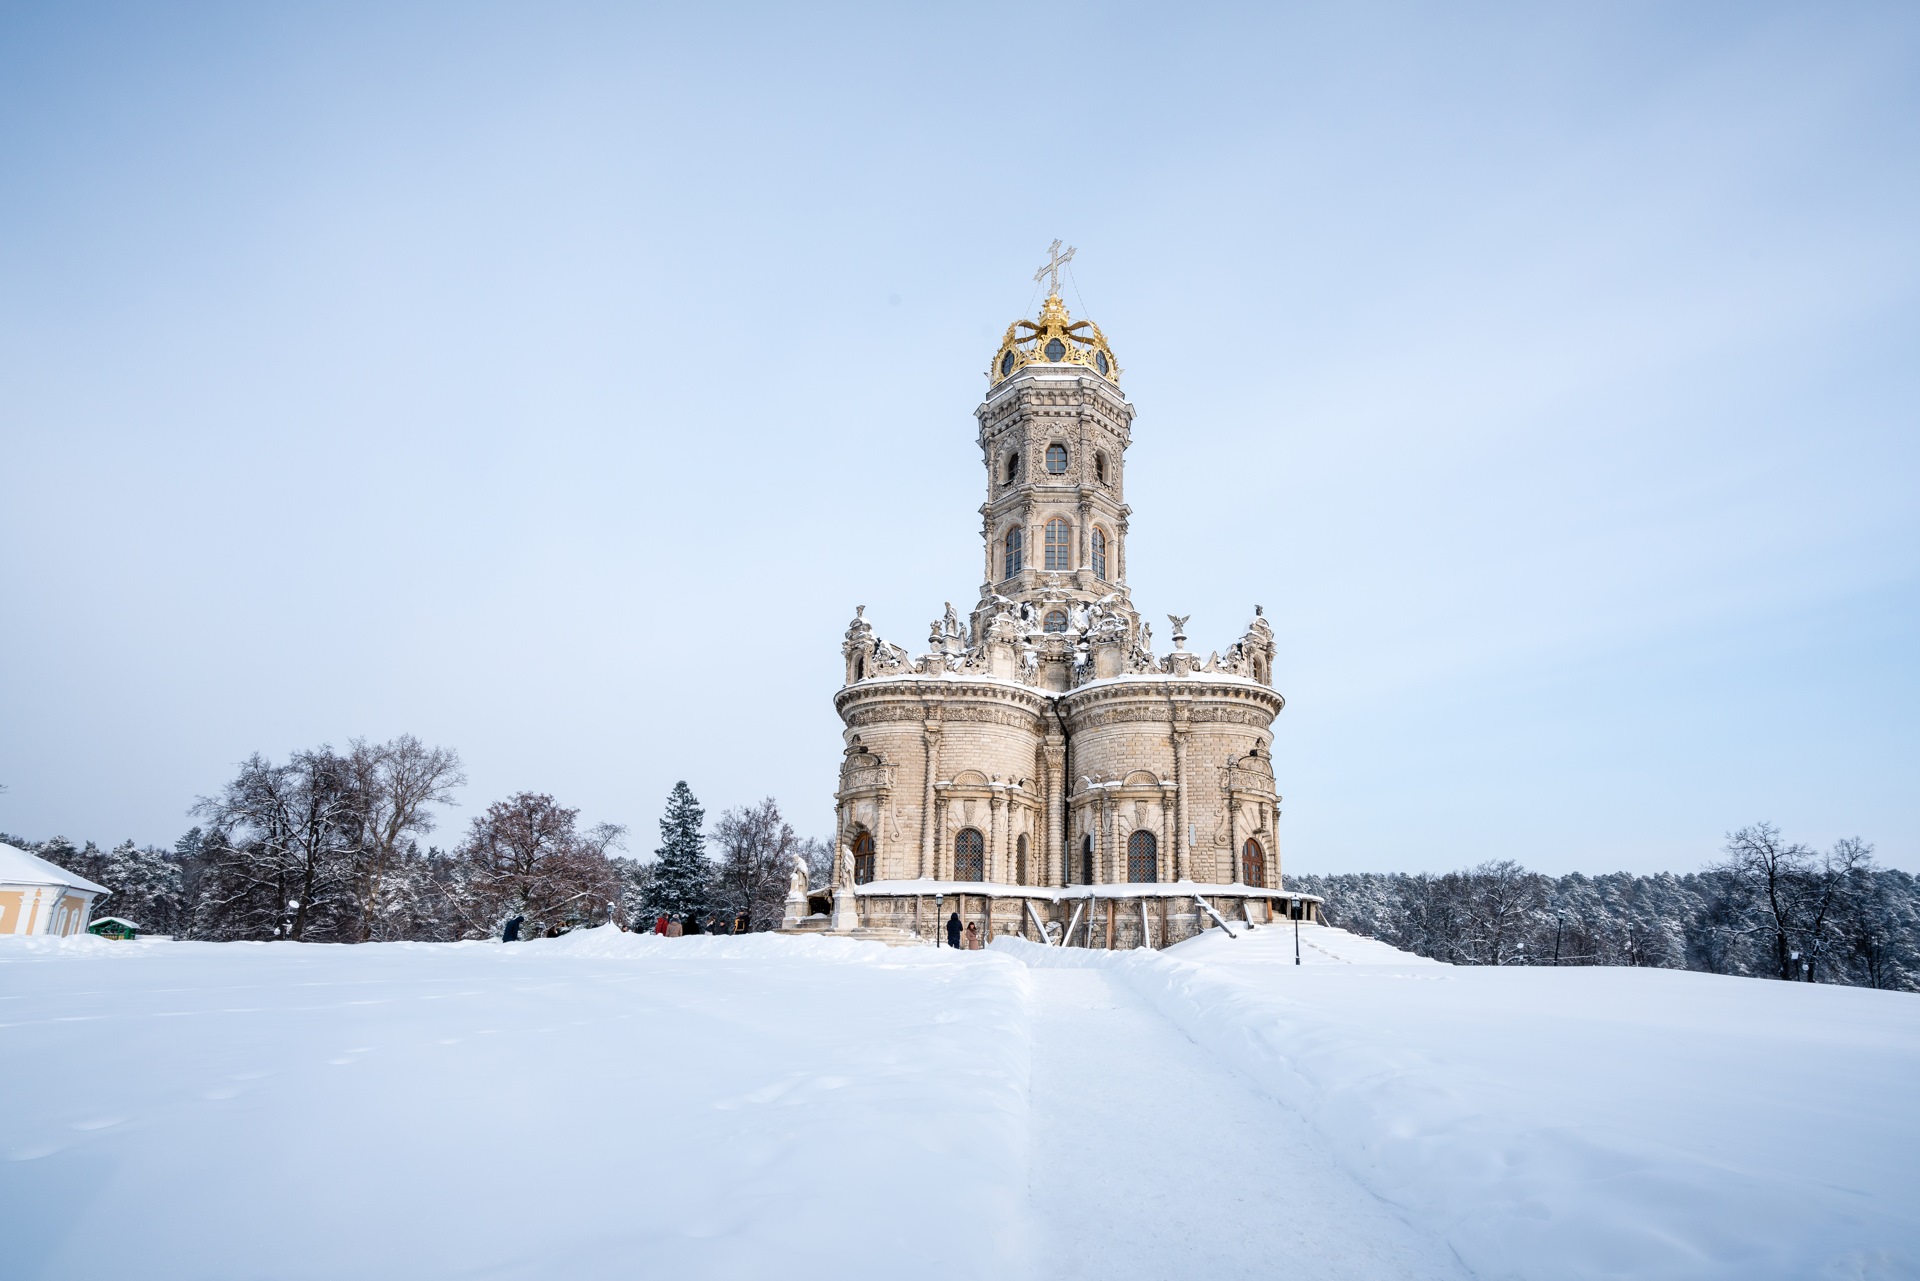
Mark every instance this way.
x=1006 y=363
x=1056 y=620
x=1056 y=350
x=1100 y=361
x=1056 y=459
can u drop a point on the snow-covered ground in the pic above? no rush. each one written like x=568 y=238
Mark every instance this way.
x=815 y=1107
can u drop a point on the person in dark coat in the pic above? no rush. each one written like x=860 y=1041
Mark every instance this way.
x=512 y=933
x=693 y=924
x=953 y=930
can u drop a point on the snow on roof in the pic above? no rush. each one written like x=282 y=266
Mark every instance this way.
x=98 y=921
x=17 y=867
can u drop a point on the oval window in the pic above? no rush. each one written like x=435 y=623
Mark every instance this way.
x=1056 y=350
x=1056 y=620
x=1006 y=363
x=1100 y=361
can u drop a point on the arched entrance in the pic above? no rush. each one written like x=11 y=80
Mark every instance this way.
x=969 y=855
x=1086 y=860
x=1143 y=857
x=863 y=859
x=1253 y=864
x=1020 y=866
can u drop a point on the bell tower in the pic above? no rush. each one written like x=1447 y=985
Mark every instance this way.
x=1054 y=430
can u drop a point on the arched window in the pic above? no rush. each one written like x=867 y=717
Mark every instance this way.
x=1016 y=551
x=1056 y=621
x=1253 y=864
x=863 y=858
x=1057 y=459
x=969 y=856
x=1059 y=544
x=1100 y=467
x=1013 y=466
x=1099 y=553
x=1143 y=857
x=1086 y=860
x=1020 y=867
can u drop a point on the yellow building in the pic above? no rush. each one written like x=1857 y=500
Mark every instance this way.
x=37 y=897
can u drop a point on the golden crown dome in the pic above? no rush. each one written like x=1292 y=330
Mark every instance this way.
x=1056 y=339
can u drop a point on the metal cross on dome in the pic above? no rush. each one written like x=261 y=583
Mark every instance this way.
x=1055 y=261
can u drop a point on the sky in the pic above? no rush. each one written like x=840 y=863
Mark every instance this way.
x=551 y=382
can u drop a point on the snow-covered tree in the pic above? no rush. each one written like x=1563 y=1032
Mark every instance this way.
x=681 y=880
x=147 y=886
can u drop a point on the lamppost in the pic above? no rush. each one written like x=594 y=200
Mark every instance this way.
x=1559 y=923
x=1794 y=959
x=1293 y=907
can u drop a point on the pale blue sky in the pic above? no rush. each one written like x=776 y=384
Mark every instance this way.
x=552 y=381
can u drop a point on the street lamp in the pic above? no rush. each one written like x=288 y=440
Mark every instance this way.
x=1559 y=923
x=1293 y=907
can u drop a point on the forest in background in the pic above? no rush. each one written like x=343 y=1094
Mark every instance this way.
x=1767 y=908
x=331 y=847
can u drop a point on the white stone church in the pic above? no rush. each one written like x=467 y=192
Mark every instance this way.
x=1038 y=767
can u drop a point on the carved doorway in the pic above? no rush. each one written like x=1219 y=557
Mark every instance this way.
x=863 y=858
x=1020 y=861
x=969 y=855
x=1253 y=864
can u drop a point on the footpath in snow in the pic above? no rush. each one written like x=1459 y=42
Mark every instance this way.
x=817 y=1107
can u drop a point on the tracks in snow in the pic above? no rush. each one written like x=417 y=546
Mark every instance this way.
x=1152 y=1160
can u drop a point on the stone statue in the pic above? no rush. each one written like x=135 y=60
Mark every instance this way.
x=797 y=878
x=1179 y=622
x=950 y=625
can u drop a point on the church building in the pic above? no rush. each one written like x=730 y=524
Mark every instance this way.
x=1038 y=767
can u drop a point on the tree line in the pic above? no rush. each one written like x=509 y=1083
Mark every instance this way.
x=330 y=847
x=1767 y=908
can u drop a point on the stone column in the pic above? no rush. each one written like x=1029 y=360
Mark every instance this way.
x=1108 y=859
x=996 y=834
x=1233 y=829
x=930 y=737
x=1119 y=550
x=1169 y=852
x=1085 y=560
x=1183 y=865
x=1055 y=857
x=939 y=857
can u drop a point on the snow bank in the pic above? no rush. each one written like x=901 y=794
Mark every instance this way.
x=1574 y=1123
x=713 y=1107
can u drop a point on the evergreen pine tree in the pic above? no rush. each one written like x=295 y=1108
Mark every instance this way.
x=681 y=879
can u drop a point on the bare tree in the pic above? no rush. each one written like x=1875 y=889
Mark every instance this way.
x=757 y=847
x=394 y=783
x=281 y=863
x=1791 y=893
x=527 y=857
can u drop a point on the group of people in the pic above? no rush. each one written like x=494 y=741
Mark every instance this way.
x=712 y=923
x=971 y=934
x=671 y=926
